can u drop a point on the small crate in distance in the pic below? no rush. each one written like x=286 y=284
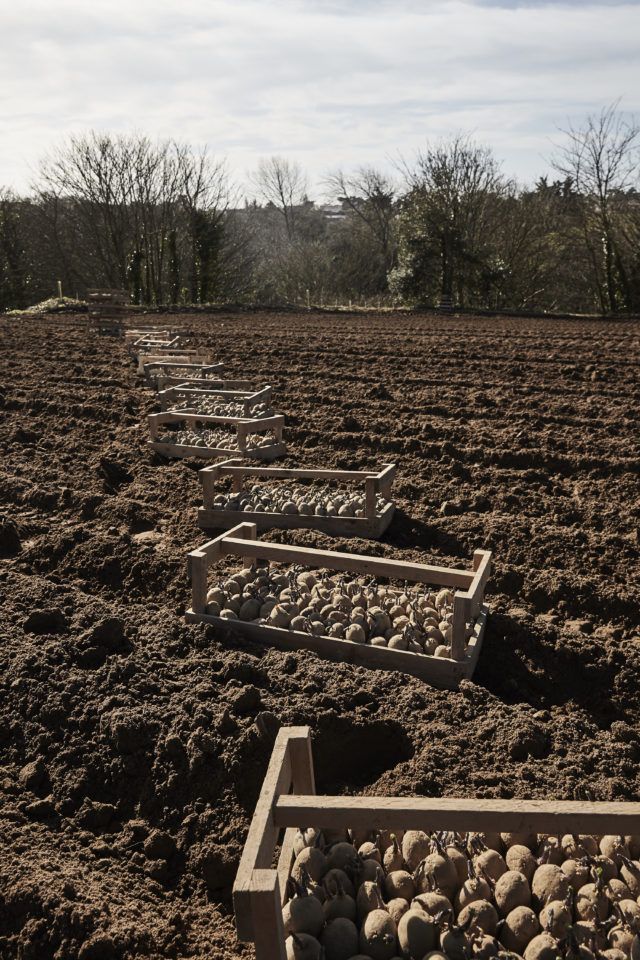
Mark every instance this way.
x=107 y=310
x=465 y=609
x=259 y=439
x=375 y=508
x=288 y=802
x=165 y=382
x=159 y=333
x=183 y=397
x=153 y=363
x=152 y=342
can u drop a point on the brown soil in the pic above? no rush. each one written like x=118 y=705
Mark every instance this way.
x=130 y=757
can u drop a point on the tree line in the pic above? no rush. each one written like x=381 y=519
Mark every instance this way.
x=166 y=223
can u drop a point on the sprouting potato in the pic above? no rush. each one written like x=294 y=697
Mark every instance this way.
x=303 y=914
x=302 y=946
x=313 y=861
x=614 y=848
x=491 y=863
x=542 y=947
x=304 y=838
x=415 y=847
x=460 y=862
x=630 y=874
x=576 y=872
x=484 y=914
x=590 y=900
x=575 y=847
x=548 y=883
x=416 y=933
x=378 y=935
x=520 y=926
x=392 y=859
x=511 y=891
x=555 y=917
x=519 y=857
x=434 y=903
x=336 y=878
x=630 y=910
x=367 y=899
x=399 y=883
x=617 y=890
x=550 y=851
x=340 y=855
x=474 y=888
x=606 y=868
x=396 y=908
x=621 y=938
x=339 y=939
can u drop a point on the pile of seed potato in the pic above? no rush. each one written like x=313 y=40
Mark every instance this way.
x=325 y=604
x=359 y=896
x=214 y=438
x=308 y=501
x=214 y=407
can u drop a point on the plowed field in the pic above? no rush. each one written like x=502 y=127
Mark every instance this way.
x=130 y=757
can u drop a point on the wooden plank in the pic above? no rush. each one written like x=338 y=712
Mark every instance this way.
x=178 y=450
x=266 y=915
x=210 y=519
x=459 y=814
x=482 y=573
x=294 y=473
x=285 y=862
x=436 y=671
x=354 y=563
x=197 y=566
x=475 y=641
x=461 y=613
x=262 y=836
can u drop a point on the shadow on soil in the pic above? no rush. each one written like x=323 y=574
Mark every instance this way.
x=517 y=665
x=407 y=531
x=348 y=756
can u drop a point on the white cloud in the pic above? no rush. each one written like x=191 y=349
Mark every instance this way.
x=325 y=83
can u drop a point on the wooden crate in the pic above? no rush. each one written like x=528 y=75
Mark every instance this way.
x=181 y=397
x=468 y=604
x=153 y=342
x=148 y=361
x=371 y=526
x=242 y=428
x=288 y=801
x=159 y=333
x=199 y=383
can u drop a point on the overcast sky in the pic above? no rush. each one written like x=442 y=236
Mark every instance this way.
x=328 y=83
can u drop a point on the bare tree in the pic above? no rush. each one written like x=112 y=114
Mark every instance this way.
x=130 y=212
x=601 y=158
x=282 y=183
x=370 y=198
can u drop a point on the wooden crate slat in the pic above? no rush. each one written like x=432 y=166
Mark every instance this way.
x=164 y=382
x=362 y=527
x=266 y=912
x=441 y=672
x=261 y=839
x=178 y=450
x=353 y=563
x=459 y=814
